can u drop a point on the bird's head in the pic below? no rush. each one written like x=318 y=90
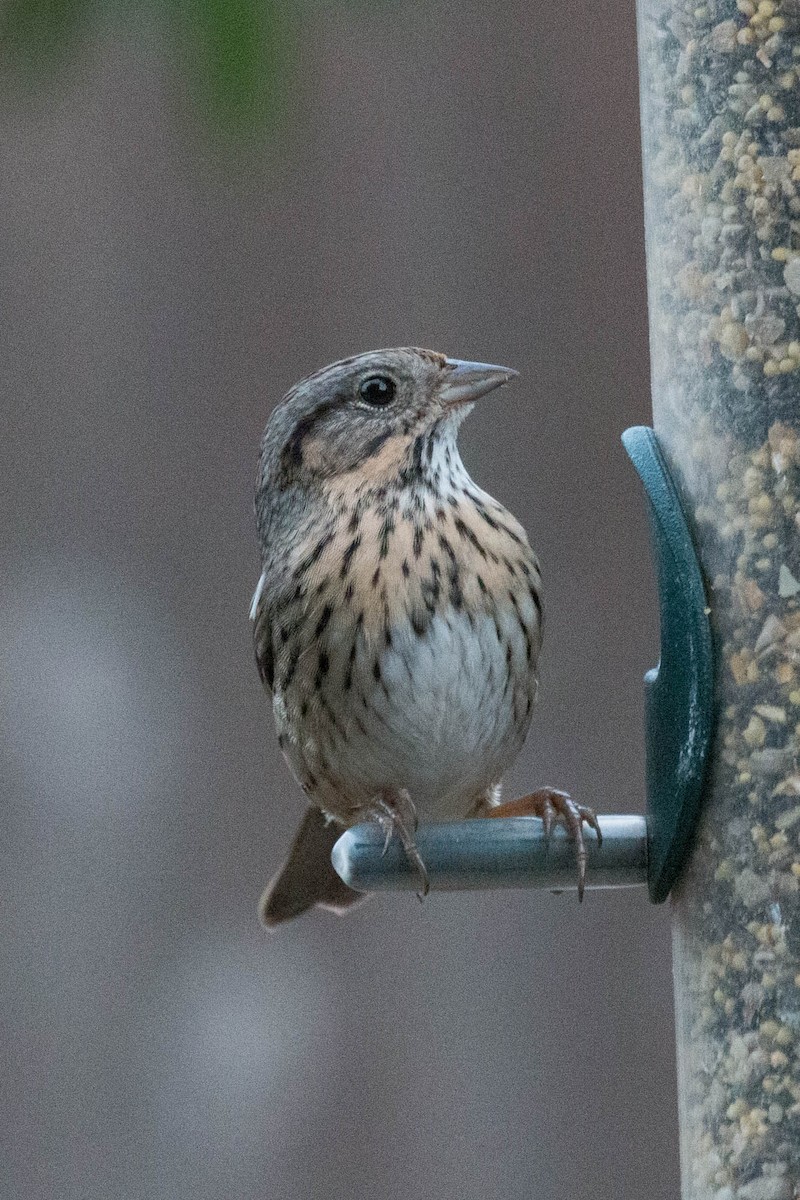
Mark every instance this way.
x=370 y=417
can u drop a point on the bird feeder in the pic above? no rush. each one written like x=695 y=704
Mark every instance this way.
x=720 y=92
x=721 y=136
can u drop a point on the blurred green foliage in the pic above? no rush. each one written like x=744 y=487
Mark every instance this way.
x=35 y=31
x=238 y=56
x=245 y=54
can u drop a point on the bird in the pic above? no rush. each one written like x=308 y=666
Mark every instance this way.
x=398 y=618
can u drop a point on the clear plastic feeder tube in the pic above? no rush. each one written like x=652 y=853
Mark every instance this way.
x=720 y=85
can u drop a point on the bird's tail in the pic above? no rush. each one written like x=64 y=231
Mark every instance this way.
x=307 y=877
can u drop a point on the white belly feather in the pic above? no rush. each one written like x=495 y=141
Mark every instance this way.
x=447 y=717
x=453 y=729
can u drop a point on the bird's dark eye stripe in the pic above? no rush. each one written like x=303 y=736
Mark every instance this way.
x=293 y=450
x=378 y=390
x=374 y=444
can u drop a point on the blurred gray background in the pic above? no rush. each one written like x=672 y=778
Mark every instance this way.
x=459 y=176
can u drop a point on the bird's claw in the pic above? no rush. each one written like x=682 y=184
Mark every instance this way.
x=557 y=805
x=396 y=813
x=551 y=805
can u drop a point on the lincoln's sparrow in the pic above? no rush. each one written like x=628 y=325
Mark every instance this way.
x=398 y=618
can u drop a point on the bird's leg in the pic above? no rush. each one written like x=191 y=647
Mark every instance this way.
x=395 y=813
x=551 y=805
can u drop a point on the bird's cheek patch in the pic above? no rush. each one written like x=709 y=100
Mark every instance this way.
x=314 y=456
x=382 y=460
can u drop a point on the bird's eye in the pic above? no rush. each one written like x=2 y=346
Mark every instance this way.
x=378 y=390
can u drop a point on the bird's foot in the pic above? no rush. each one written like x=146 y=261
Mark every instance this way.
x=395 y=812
x=551 y=805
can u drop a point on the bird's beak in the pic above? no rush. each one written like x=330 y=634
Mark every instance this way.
x=468 y=381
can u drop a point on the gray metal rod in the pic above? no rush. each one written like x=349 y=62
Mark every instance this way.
x=501 y=853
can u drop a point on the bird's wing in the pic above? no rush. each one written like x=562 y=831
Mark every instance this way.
x=261 y=617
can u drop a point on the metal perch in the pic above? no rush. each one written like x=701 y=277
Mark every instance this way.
x=513 y=853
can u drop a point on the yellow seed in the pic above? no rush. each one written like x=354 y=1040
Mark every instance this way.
x=777 y=24
x=738 y=664
x=776 y=113
x=733 y=340
x=786 y=365
x=781 y=254
x=756 y=732
x=753 y=596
